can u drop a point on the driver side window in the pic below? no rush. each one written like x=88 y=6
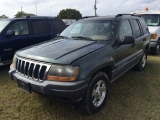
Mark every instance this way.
x=125 y=29
x=20 y=28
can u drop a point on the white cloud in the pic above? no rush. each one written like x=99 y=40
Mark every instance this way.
x=50 y=7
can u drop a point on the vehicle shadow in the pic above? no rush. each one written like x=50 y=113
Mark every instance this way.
x=4 y=68
x=4 y=77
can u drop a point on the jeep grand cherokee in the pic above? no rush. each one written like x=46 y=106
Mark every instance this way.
x=85 y=58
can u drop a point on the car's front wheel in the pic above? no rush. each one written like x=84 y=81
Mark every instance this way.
x=96 y=94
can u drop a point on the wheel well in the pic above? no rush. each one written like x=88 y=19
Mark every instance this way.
x=108 y=71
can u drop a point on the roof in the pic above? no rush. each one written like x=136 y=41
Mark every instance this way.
x=110 y=17
x=147 y=12
x=34 y=17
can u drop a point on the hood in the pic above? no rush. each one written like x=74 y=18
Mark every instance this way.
x=153 y=29
x=62 y=51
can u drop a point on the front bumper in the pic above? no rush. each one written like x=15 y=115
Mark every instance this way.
x=66 y=91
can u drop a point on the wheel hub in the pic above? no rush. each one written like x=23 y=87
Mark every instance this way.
x=144 y=60
x=157 y=48
x=99 y=93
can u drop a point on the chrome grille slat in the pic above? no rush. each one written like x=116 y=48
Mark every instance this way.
x=28 y=69
x=24 y=67
x=45 y=74
x=20 y=67
x=32 y=69
x=39 y=71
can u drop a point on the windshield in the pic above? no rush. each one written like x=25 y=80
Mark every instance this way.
x=151 y=20
x=93 y=30
x=3 y=24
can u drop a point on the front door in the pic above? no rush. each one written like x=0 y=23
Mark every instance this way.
x=124 y=53
x=13 y=43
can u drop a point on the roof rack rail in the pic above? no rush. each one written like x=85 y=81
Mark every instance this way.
x=42 y=17
x=88 y=17
x=28 y=16
x=124 y=14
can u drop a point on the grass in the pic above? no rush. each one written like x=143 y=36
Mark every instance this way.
x=134 y=96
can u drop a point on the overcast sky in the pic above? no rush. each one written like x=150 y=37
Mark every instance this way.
x=53 y=7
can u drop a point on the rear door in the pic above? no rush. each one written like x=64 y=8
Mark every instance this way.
x=40 y=31
x=139 y=36
x=13 y=43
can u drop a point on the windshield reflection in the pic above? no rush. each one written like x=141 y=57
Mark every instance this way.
x=3 y=24
x=91 y=30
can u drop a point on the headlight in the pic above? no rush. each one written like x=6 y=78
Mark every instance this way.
x=14 y=62
x=63 y=73
x=153 y=36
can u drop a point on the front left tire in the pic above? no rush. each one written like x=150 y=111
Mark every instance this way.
x=96 y=95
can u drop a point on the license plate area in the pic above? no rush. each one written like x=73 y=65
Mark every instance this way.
x=24 y=86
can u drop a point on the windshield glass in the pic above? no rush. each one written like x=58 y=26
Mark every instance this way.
x=3 y=24
x=151 y=20
x=93 y=30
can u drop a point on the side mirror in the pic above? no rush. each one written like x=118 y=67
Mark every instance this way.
x=10 y=33
x=127 y=40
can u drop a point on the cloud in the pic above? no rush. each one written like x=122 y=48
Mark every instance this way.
x=50 y=7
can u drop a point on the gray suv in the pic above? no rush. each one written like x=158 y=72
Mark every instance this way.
x=84 y=60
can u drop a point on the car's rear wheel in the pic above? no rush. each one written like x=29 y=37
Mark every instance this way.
x=142 y=63
x=96 y=95
x=155 y=50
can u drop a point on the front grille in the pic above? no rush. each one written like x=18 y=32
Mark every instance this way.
x=32 y=69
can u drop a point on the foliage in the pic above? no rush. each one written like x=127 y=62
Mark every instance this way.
x=20 y=14
x=3 y=16
x=70 y=14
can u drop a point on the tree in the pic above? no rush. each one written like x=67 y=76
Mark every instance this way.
x=20 y=14
x=3 y=17
x=70 y=14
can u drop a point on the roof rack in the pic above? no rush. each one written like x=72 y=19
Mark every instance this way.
x=28 y=16
x=39 y=17
x=88 y=17
x=119 y=15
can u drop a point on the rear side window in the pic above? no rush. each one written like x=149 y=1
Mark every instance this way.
x=47 y=27
x=60 y=26
x=125 y=29
x=38 y=26
x=20 y=28
x=136 y=29
x=144 y=26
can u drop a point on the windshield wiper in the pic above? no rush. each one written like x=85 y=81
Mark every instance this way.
x=63 y=37
x=81 y=37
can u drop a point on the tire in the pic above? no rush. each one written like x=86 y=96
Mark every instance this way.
x=155 y=50
x=96 y=94
x=142 y=63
